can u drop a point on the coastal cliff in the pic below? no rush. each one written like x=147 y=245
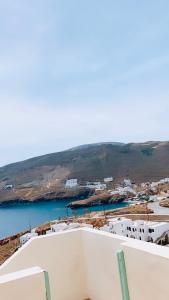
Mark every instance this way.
x=38 y=194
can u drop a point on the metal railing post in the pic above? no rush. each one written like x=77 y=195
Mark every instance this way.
x=47 y=286
x=123 y=275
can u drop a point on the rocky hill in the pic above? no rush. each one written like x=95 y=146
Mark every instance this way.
x=138 y=161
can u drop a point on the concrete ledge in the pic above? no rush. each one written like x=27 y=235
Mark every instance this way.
x=28 y=284
x=82 y=263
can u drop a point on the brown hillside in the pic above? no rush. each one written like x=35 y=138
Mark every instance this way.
x=139 y=162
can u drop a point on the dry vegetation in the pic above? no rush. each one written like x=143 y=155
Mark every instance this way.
x=152 y=217
x=136 y=209
x=40 y=193
x=164 y=203
x=8 y=249
x=100 y=198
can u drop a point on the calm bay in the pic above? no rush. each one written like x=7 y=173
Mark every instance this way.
x=19 y=217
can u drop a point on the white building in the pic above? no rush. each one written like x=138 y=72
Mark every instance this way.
x=108 y=179
x=153 y=198
x=127 y=182
x=97 y=186
x=117 y=192
x=71 y=183
x=142 y=230
x=26 y=237
x=100 y=187
x=63 y=226
x=127 y=189
x=86 y=264
x=162 y=181
x=8 y=186
x=59 y=227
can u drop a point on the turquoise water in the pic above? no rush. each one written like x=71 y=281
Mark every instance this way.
x=19 y=217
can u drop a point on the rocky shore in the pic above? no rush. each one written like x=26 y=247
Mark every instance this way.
x=164 y=203
x=100 y=199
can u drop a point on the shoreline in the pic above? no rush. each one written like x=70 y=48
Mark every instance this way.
x=126 y=206
x=22 y=216
x=91 y=214
x=10 y=244
x=15 y=203
x=12 y=202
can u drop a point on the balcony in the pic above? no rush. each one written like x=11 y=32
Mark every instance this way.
x=86 y=263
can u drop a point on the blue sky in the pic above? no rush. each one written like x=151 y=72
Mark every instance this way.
x=76 y=72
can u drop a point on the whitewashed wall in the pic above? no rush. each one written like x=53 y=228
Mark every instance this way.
x=61 y=255
x=82 y=264
x=25 y=285
x=147 y=270
x=101 y=265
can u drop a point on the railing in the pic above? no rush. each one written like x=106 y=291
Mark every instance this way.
x=123 y=275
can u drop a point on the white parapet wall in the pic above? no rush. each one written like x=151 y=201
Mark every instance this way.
x=82 y=263
x=102 y=278
x=60 y=254
x=27 y=284
x=147 y=270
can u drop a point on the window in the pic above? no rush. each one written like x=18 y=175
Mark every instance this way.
x=150 y=230
x=142 y=230
x=133 y=229
x=127 y=235
x=129 y=228
x=140 y=238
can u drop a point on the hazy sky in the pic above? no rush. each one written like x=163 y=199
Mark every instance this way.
x=75 y=72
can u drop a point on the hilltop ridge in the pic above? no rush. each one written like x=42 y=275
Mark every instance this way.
x=95 y=161
x=140 y=162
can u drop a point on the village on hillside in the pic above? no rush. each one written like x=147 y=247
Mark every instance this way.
x=143 y=218
x=109 y=192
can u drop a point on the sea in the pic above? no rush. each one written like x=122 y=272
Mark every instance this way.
x=19 y=217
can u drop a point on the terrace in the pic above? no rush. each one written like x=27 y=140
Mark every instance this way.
x=86 y=263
